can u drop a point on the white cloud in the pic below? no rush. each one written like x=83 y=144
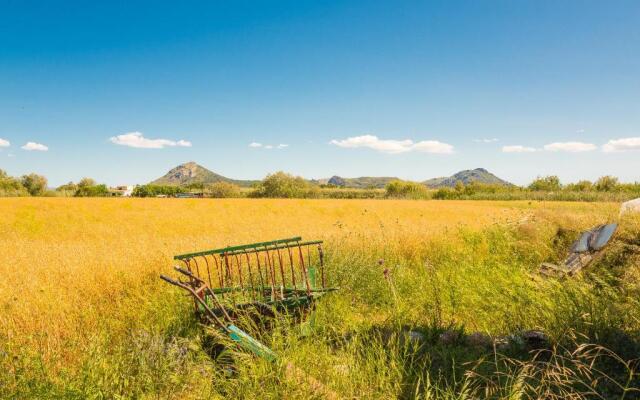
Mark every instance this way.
x=137 y=140
x=491 y=140
x=517 y=149
x=4 y=143
x=394 y=146
x=624 y=144
x=32 y=146
x=256 y=145
x=580 y=131
x=570 y=147
x=10 y=155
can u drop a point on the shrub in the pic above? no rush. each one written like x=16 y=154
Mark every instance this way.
x=281 y=184
x=606 y=184
x=581 y=186
x=92 y=191
x=546 y=184
x=10 y=186
x=406 y=189
x=224 y=190
x=155 y=190
x=35 y=184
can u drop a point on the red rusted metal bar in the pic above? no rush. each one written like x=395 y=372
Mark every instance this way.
x=304 y=271
x=291 y=264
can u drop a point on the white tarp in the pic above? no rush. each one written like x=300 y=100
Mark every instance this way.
x=630 y=206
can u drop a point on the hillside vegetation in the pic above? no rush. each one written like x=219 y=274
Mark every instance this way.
x=85 y=315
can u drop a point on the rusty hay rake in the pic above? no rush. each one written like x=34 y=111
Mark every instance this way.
x=285 y=275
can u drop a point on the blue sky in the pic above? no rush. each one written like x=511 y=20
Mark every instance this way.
x=408 y=89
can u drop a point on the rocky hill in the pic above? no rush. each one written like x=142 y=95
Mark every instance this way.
x=479 y=175
x=191 y=173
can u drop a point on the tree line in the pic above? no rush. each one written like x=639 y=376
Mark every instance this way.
x=284 y=185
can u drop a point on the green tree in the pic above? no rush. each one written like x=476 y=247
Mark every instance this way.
x=581 y=186
x=35 y=184
x=92 y=191
x=224 y=190
x=10 y=186
x=606 y=183
x=546 y=184
x=85 y=182
x=406 y=189
x=281 y=184
x=67 y=187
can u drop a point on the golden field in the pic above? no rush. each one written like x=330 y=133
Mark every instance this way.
x=79 y=275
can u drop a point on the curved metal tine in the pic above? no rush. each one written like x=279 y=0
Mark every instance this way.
x=253 y=293
x=239 y=265
x=220 y=276
x=229 y=277
x=321 y=258
x=271 y=275
x=304 y=270
x=293 y=273
x=284 y=280
x=260 y=275
x=197 y=267
x=208 y=270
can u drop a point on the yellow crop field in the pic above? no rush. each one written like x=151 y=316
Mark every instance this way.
x=81 y=303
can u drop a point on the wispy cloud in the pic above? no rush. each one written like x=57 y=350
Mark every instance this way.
x=491 y=140
x=517 y=149
x=137 y=140
x=570 y=147
x=32 y=146
x=256 y=145
x=394 y=146
x=624 y=144
x=4 y=143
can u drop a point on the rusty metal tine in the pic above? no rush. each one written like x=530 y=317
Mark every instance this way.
x=239 y=264
x=229 y=271
x=197 y=267
x=271 y=275
x=219 y=271
x=260 y=274
x=284 y=280
x=321 y=257
x=208 y=270
x=304 y=271
x=253 y=290
x=293 y=274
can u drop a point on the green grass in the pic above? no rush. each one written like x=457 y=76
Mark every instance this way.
x=448 y=289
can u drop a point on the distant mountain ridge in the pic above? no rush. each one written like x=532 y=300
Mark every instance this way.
x=478 y=175
x=193 y=173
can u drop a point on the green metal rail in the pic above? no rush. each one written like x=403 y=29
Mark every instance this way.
x=250 y=248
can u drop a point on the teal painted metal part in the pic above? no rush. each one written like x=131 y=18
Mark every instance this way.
x=247 y=342
x=251 y=246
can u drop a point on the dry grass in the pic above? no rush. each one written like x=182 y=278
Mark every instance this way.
x=80 y=273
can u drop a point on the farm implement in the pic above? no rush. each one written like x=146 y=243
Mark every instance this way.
x=583 y=251
x=257 y=279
